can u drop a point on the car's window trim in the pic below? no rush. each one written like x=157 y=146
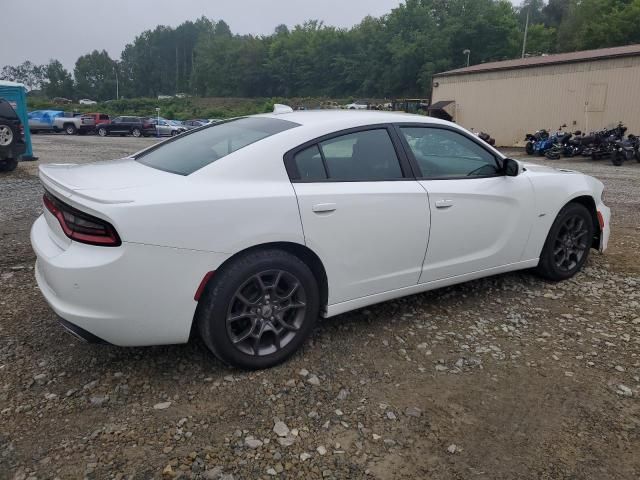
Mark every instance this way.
x=294 y=174
x=398 y=126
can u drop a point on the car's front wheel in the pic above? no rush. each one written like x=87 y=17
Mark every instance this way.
x=568 y=243
x=102 y=132
x=258 y=310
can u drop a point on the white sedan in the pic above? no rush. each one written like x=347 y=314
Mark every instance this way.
x=250 y=229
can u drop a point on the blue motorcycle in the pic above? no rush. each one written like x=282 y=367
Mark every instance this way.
x=535 y=141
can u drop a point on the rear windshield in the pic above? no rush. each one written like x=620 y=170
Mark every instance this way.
x=199 y=148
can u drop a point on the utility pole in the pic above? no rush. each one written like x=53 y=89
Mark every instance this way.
x=115 y=70
x=526 y=31
x=467 y=52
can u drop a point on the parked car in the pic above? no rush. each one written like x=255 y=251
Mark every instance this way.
x=86 y=101
x=251 y=228
x=125 y=125
x=189 y=124
x=42 y=120
x=359 y=105
x=99 y=118
x=12 y=143
x=168 y=128
x=72 y=123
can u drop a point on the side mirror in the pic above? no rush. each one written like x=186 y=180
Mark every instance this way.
x=511 y=167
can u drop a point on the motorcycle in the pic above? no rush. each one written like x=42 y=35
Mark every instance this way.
x=625 y=149
x=606 y=142
x=556 y=143
x=486 y=138
x=534 y=140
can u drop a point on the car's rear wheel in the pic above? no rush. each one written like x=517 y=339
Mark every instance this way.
x=70 y=129
x=6 y=136
x=568 y=243
x=102 y=132
x=8 y=164
x=136 y=132
x=258 y=310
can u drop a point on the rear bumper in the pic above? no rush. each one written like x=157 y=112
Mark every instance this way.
x=132 y=295
x=80 y=333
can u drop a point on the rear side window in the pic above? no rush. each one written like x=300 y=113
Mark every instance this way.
x=309 y=165
x=198 y=148
x=368 y=155
x=6 y=110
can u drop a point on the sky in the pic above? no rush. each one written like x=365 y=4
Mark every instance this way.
x=64 y=30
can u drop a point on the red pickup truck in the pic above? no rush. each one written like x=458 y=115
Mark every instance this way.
x=100 y=118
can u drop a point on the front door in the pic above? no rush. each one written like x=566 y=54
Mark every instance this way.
x=362 y=214
x=480 y=218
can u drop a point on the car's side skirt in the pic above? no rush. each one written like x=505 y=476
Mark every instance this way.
x=338 y=308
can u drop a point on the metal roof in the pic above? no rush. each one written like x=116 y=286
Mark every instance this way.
x=582 y=56
x=7 y=83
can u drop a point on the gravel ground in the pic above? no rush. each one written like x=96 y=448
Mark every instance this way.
x=506 y=377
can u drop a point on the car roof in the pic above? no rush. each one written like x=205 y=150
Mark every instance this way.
x=351 y=118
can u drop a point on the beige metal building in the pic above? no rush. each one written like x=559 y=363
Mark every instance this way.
x=586 y=90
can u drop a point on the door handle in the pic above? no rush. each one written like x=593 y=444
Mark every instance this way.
x=324 y=207
x=444 y=203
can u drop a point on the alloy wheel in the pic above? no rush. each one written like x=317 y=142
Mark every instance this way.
x=266 y=312
x=571 y=243
x=6 y=136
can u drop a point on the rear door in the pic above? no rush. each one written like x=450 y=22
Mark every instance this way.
x=116 y=125
x=480 y=218
x=362 y=211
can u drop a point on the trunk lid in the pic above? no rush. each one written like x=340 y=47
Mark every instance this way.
x=111 y=181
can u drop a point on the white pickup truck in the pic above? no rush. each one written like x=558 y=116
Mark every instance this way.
x=74 y=124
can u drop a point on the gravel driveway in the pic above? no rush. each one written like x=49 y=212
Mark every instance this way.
x=506 y=377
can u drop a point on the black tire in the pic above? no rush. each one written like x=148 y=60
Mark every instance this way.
x=136 y=132
x=103 y=132
x=550 y=266
x=618 y=159
x=552 y=154
x=529 y=148
x=173 y=133
x=70 y=129
x=221 y=298
x=8 y=164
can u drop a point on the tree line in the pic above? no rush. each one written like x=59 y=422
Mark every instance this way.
x=393 y=55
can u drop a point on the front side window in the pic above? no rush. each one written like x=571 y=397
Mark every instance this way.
x=442 y=153
x=116 y=120
x=199 y=148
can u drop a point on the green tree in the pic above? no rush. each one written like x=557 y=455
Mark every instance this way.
x=58 y=81
x=27 y=73
x=96 y=76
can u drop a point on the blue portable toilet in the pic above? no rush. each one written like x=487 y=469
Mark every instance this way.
x=16 y=95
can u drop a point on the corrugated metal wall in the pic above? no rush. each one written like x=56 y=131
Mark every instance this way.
x=508 y=104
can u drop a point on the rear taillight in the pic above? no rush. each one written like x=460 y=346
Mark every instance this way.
x=80 y=226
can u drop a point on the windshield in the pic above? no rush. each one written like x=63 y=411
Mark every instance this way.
x=199 y=148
